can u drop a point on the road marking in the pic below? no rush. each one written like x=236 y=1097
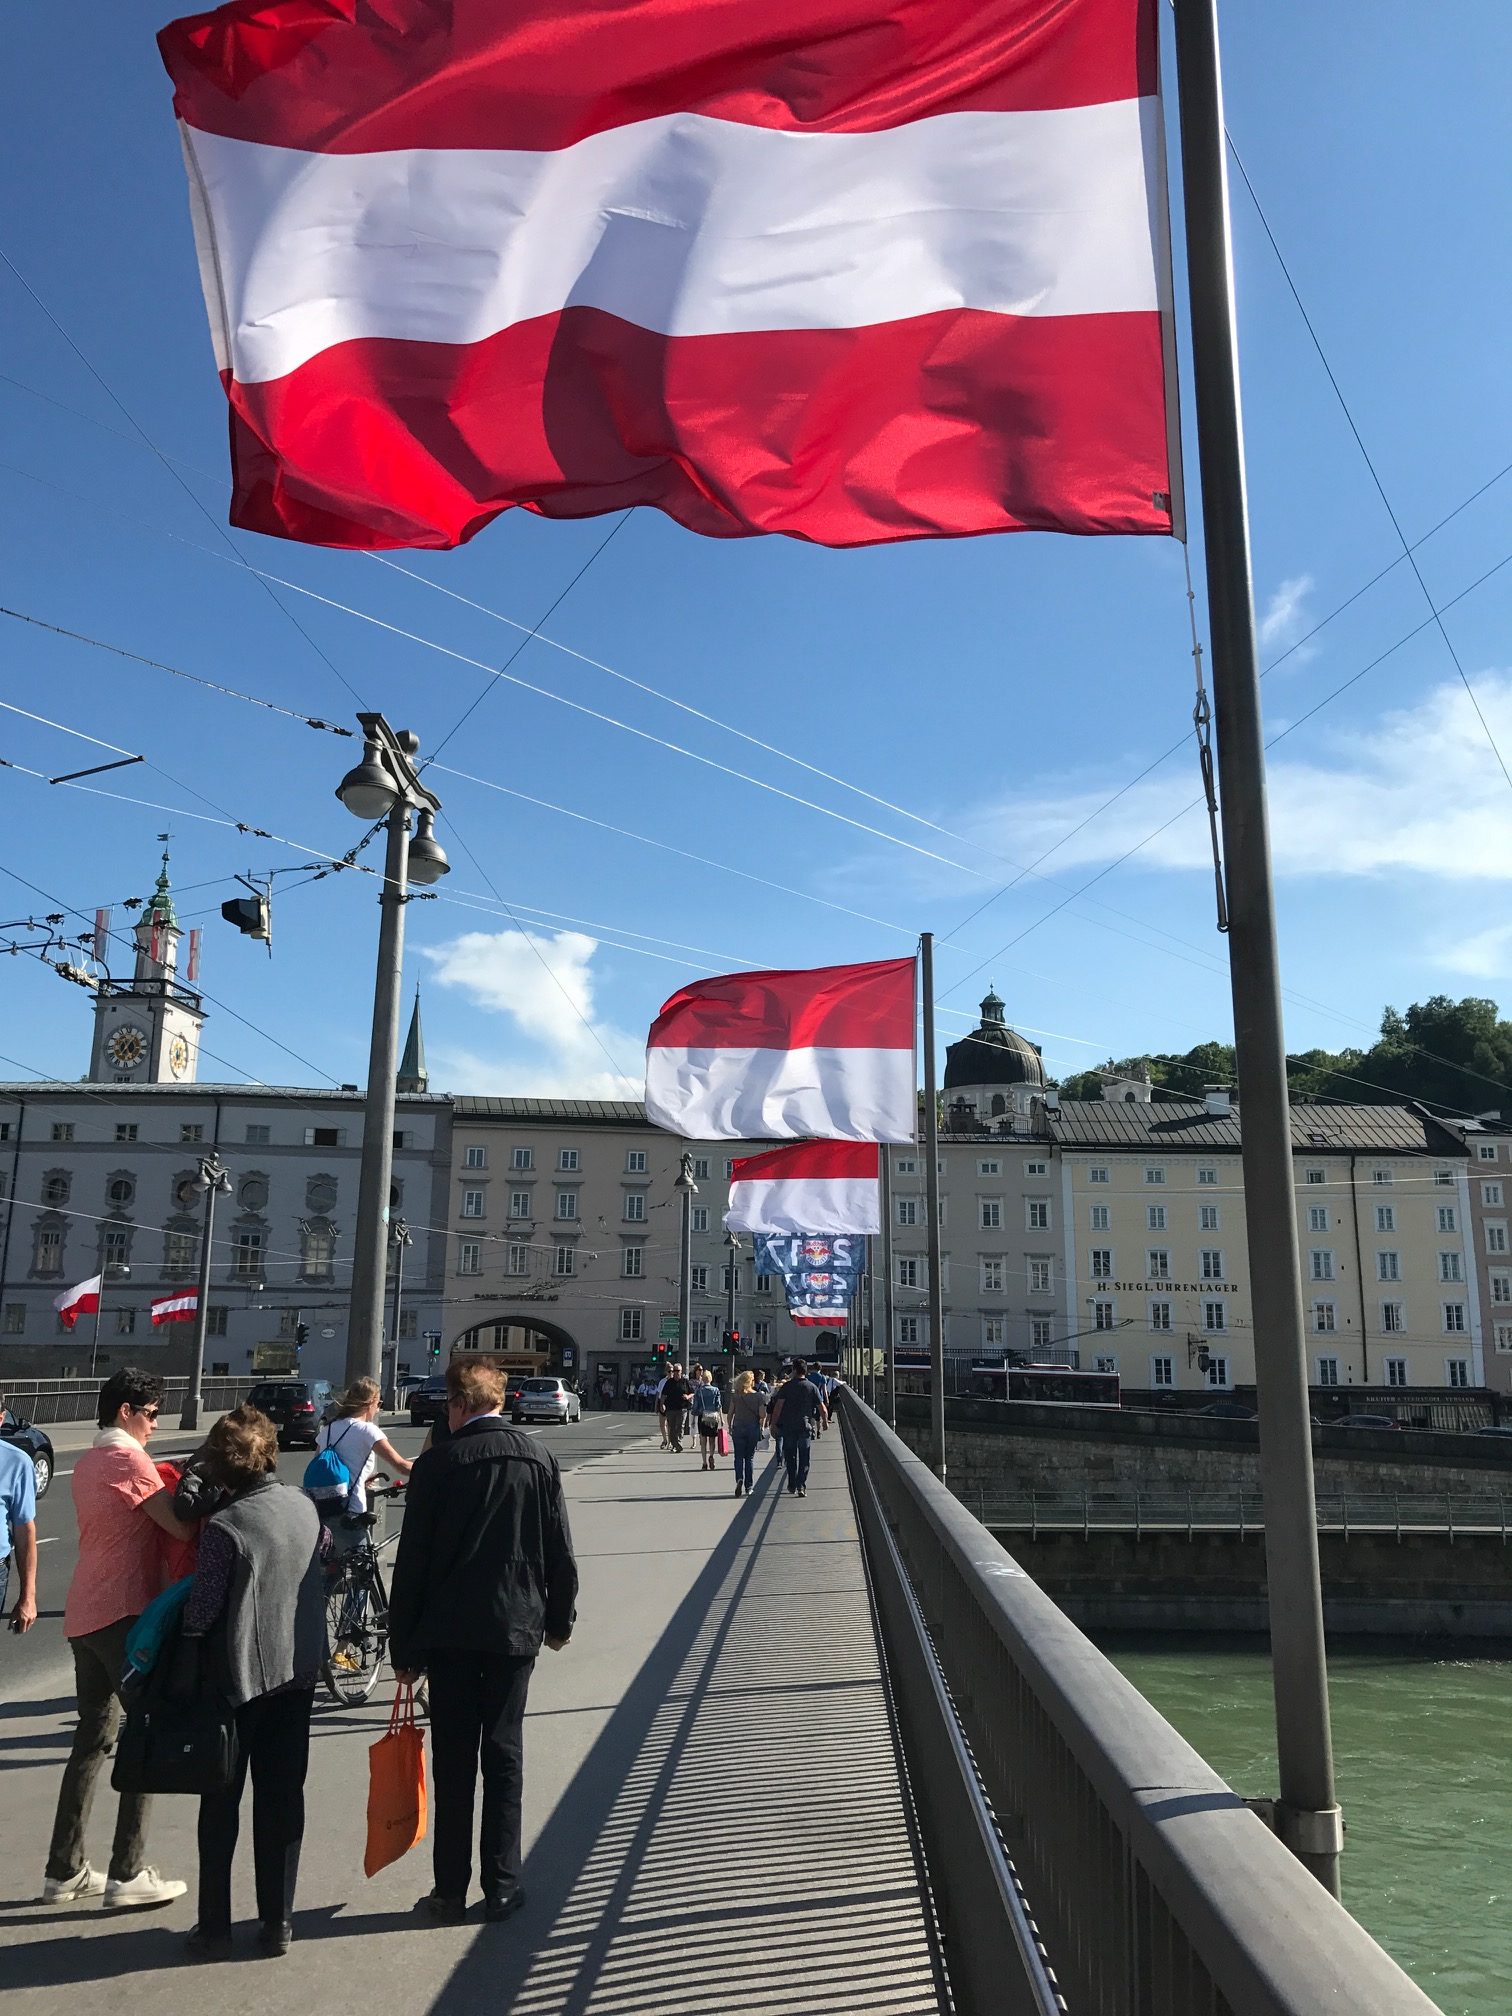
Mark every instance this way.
x=48 y=1541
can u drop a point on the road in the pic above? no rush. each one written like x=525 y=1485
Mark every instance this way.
x=39 y=1667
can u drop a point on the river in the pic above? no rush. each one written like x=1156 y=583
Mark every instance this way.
x=1423 y=1760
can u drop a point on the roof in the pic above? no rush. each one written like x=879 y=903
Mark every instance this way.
x=993 y=1054
x=585 y=1112
x=1322 y=1127
x=413 y=1076
x=103 y=1092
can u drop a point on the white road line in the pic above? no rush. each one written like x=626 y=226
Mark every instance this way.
x=48 y=1541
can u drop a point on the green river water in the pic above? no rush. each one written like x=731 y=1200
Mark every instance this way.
x=1423 y=1760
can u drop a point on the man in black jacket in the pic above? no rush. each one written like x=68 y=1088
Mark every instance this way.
x=484 y=1574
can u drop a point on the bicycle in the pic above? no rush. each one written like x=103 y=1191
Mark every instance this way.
x=357 y=1610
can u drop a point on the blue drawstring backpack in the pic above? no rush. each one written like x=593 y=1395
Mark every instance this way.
x=329 y=1475
x=144 y=1641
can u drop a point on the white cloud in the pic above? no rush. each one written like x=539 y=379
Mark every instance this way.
x=545 y=986
x=1284 y=613
x=1484 y=955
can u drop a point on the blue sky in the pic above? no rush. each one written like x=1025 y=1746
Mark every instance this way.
x=997 y=689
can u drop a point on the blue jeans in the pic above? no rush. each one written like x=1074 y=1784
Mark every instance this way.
x=745 y=1440
x=796 y=1450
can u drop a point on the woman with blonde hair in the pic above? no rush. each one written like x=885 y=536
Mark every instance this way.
x=747 y=1425
x=353 y=1435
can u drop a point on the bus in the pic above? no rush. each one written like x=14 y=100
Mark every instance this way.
x=1049 y=1385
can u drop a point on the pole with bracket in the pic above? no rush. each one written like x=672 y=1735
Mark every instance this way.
x=932 y=1207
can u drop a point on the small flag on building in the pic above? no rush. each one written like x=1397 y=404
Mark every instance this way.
x=825 y=1186
x=73 y=1303
x=825 y=1051
x=182 y=1308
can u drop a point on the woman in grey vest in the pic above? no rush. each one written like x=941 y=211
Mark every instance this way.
x=258 y=1598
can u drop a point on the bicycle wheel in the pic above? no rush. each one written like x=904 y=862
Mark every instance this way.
x=357 y=1631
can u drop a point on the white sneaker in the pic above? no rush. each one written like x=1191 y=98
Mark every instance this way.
x=139 y=1892
x=72 y=1889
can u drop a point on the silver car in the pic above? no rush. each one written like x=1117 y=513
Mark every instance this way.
x=546 y=1400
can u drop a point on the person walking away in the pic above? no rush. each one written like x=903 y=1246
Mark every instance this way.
x=747 y=1420
x=122 y=1509
x=18 y=1532
x=258 y=1599
x=673 y=1406
x=708 y=1415
x=801 y=1414
x=485 y=1576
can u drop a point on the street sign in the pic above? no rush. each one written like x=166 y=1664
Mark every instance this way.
x=671 y=1330
x=431 y=1336
x=328 y=1331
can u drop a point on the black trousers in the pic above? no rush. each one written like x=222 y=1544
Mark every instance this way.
x=273 y=1741
x=477 y=1714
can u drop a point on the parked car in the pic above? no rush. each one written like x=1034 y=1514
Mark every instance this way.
x=427 y=1403
x=1228 y=1410
x=22 y=1435
x=545 y=1400
x=1501 y=1428
x=1386 y=1421
x=296 y=1406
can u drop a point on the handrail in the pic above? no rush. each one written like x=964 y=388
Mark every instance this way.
x=1148 y=1513
x=49 y=1401
x=1155 y=1890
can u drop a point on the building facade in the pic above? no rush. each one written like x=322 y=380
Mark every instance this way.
x=1488 y=1148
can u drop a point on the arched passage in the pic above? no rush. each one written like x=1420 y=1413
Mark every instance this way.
x=523 y=1342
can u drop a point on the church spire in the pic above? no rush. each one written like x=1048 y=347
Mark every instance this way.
x=413 y=1076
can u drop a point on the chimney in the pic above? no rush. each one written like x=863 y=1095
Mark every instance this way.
x=1217 y=1101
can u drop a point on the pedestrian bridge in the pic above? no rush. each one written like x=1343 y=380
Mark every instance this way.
x=828 y=1755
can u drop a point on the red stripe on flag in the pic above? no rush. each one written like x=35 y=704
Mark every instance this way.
x=334 y=76
x=867 y=1007
x=808 y=1158
x=947 y=424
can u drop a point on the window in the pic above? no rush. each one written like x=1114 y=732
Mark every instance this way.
x=1215 y=1316
x=1317 y=1218
x=400 y=1139
x=1039 y=1333
x=1160 y=1315
x=1315 y=1176
x=252 y=1193
x=991 y=1214
x=15 y=1319
x=1325 y=1317
x=1381 y=1176
x=56 y=1185
x=631 y=1325
x=724 y=1280
x=126 y=1131
x=120 y=1191
x=992 y=1333
x=1321 y=1261
x=1393 y=1318
x=1211 y=1259
x=180 y=1250
x=908 y=1273
x=522 y=1158
x=1158 y=1264
x=1458 y=1370
x=698 y=1332
x=1155 y=1216
x=1105 y=1362
x=215 y=1320
x=247 y=1253
x=1032 y=1169
x=1162 y=1371
x=47 y=1257
x=115 y=1246
x=1454 y=1317
x=1037 y=1213
x=1501 y=1331
x=1444 y=1178
x=908 y=1210
x=908 y=1329
x=635 y=1161
x=763 y=1331
x=1491 y=1196
x=1446 y=1218
x=1104 y=1316
x=633 y=1262
x=519 y=1203
x=567 y=1205
x=1100 y=1263
x=469 y=1256
x=516 y=1258
x=1099 y=1217
x=1501 y=1285
x=315 y=1137
x=1396 y=1371
x=1385 y=1215
x=317 y=1243
x=730 y=1165
x=635 y=1207
x=1328 y=1371
x=1486 y=1152
x=992 y=1277
x=1496 y=1237
x=906 y=1165
x=1449 y=1267
x=1218 y=1372
x=1099 y=1175
x=1155 y=1174
x=258 y=1135
x=563 y=1259
x=1208 y=1178
x=1039 y=1276
x=62 y=1130
x=472 y=1203
x=700 y=1168
x=409 y=1325
x=567 y=1159
x=700 y=1218
x=476 y=1158
x=1388 y=1267
x=698 y=1280
x=995 y=1168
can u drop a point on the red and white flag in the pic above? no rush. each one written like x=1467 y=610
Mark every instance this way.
x=181 y=1308
x=851 y=270
x=815 y=1186
x=825 y=1051
x=76 y=1302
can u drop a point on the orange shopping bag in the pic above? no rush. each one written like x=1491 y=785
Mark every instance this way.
x=396 y=1787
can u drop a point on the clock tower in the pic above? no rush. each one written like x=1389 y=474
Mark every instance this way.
x=147 y=1029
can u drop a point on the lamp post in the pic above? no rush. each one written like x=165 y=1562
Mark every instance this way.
x=215 y=1180
x=732 y=1241
x=687 y=1189
x=109 y=1271
x=401 y=1238
x=385 y=786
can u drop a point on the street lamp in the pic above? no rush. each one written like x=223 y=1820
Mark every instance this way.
x=385 y=786
x=215 y=1180
x=687 y=1189
x=400 y=1238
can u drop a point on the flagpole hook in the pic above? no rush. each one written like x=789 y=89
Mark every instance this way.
x=1202 y=727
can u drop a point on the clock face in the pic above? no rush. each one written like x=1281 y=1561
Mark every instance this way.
x=178 y=1056
x=127 y=1047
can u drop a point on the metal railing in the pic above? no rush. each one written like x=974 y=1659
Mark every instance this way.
x=1149 y=1885
x=1399 y=1513
x=46 y=1401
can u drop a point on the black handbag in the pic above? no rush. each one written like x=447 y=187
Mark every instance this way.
x=179 y=1734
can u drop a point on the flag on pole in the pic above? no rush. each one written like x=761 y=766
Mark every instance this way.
x=76 y=1302
x=824 y=1051
x=194 y=954
x=817 y=1186
x=820 y=1274
x=850 y=270
x=181 y=1308
x=101 y=934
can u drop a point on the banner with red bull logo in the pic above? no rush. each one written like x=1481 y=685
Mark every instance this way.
x=821 y=1272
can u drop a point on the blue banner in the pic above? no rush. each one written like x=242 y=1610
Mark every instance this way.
x=821 y=1271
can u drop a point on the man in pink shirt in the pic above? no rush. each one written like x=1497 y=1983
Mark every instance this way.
x=122 y=1508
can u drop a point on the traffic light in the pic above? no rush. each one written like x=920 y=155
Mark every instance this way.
x=729 y=1344
x=435 y=1349
x=301 y=1335
x=661 y=1355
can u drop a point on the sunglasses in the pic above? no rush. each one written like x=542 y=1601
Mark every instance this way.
x=152 y=1413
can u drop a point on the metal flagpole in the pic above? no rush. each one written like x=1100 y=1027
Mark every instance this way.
x=94 y=1355
x=1307 y=1817
x=932 y=1206
x=889 y=1324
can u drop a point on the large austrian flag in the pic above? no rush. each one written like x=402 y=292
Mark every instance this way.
x=852 y=270
x=180 y=1308
x=828 y=1051
x=814 y=1186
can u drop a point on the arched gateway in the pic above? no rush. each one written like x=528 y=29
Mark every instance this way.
x=523 y=1343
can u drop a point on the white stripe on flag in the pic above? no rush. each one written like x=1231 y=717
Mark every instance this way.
x=806 y=1204
x=782 y=1095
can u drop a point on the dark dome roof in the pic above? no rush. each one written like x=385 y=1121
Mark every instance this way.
x=993 y=1054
